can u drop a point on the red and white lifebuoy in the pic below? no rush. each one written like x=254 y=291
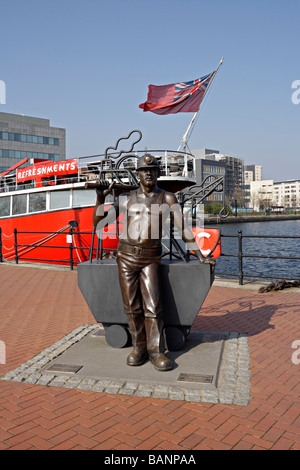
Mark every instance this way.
x=208 y=241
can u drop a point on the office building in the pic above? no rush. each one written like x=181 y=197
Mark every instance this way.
x=29 y=137
x=209 y=167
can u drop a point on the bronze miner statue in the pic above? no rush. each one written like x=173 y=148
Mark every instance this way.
x=138 y=257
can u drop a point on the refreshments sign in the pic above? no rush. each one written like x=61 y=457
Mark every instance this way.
x=66 y=167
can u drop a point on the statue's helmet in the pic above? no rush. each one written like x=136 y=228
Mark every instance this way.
x=147 y=161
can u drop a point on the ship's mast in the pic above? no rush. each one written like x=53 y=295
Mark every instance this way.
x=183 y=144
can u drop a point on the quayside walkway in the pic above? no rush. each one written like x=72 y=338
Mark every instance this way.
x=41 y=306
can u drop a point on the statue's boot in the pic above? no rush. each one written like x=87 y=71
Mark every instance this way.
x=138 y=355
x=155 y=344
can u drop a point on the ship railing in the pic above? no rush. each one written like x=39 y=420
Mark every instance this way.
x=58 y=180
x=172 y=163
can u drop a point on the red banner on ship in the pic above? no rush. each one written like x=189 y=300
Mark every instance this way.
x=36 y=172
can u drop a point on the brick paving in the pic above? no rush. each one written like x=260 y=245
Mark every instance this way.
x=41 y=306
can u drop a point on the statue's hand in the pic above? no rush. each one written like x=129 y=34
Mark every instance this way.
x=208 y=261
x=205 y=259
x=103 y=189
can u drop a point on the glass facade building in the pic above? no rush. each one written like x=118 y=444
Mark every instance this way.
x=29 y=137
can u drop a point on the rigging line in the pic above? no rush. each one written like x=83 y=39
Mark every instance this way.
x=188 y=132
x=26 y=249
x=200 y=110
x=7 y=236
x=74 y=241
x=45 y=239
x=48 y=237
x=56 y=233
x=22 y=251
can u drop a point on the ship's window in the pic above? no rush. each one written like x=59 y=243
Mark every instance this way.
x=37 y=202
x=59 y=199
x=4 y=206
x=28 y=138
x=84 y=197
x=19 y=204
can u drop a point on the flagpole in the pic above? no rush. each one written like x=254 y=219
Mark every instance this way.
x=184 y=138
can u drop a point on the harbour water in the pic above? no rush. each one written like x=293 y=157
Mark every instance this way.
x=277 y=247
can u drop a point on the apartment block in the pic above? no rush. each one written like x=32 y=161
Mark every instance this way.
x=270 y=194
x=206 y=167
x=287 y=194
x=234 y=173
x=253 y=173
x=261 y=194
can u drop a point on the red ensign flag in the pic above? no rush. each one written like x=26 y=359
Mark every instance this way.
x=181 y=97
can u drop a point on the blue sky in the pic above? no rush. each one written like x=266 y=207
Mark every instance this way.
x=87 y=65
